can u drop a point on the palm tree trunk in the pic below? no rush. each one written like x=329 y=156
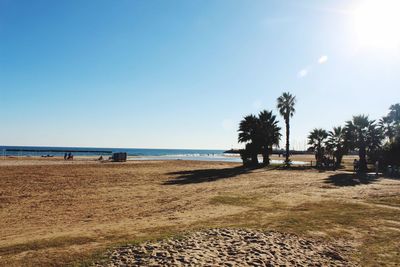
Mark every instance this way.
x=363 y=161
x=254 y=158
x=287 y=140
x=254 y=154
x=265 y=158
x=338 y=156
x=266 y=153
x=321 y=154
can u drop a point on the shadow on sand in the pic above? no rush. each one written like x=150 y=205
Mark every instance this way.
x=205 y=175
x=350 y=179
x=210 y=175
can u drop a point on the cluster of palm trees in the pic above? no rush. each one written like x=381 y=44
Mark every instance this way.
x=372 y=140
x=260 y=133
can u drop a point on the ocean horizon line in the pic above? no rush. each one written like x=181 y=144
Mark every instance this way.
x=100 y=147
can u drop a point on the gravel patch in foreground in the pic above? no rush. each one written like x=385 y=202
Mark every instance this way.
x=229 y=247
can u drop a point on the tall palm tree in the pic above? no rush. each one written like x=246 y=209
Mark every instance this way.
x=285 y=105
x=249 y=133
x=270 y=133
x=362 y=134
x=316 y=139
x=337 y=143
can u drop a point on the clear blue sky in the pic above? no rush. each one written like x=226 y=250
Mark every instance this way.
x=181 y=74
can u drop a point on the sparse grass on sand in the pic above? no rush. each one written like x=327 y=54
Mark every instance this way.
x=57 y=213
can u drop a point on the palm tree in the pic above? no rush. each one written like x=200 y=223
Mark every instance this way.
x=249 y=133
x=270 y=133
x=337 y=144
x=362 y=134
x=374 y=141
x=316 y=139
x=394 y=117
x=387 y=127
x=394 y=113
x=285 y=105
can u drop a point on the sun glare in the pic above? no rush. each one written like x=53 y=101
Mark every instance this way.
x=377 y=23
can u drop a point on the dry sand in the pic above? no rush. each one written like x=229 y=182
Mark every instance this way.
x=229 y=247
x=54 y=212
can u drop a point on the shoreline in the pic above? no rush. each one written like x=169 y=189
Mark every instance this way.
x=305 y=160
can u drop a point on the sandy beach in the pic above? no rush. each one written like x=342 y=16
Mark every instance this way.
x=199 y=133
x=229 y=247
x=54 y=212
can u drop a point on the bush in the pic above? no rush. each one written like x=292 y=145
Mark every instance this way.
x=249 y=155
x=391 y=153
x=245 y=155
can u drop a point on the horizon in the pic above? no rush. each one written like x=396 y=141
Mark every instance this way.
x=149 y=148
x=173 y=75
x=153 y=148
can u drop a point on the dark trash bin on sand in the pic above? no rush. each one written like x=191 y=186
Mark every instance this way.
x=119 y=156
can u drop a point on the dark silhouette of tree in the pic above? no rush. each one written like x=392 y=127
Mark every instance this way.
x=316 y=139
x=259 y=134
x=390 y=124
x=394 y=113
x=363 y=134
x=336 y=144
x=249 y=134
x=387 y=127
x=375 y=139
x=391 y=153
x=270 y=133
x=285 y=105
x=390 y=128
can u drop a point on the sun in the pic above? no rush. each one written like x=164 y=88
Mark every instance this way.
x=377 y=23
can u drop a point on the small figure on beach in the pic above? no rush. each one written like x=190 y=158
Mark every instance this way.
x=65 y=156
x=70 y=156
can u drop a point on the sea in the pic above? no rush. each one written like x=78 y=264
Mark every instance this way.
x=133 y=153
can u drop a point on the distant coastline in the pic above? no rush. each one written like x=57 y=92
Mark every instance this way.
x=275 y=151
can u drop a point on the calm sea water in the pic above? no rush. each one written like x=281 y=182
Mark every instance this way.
x=92 y=151
x=133 y=153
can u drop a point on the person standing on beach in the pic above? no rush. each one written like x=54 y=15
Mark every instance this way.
x=65 y=156
x=377 y=167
